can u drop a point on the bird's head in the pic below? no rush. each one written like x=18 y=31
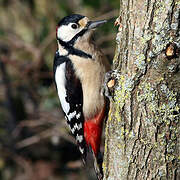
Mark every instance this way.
x=74 y=27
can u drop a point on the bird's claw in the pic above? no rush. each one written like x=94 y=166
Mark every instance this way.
x=109 y=84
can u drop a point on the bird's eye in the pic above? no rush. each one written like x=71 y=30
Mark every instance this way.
x=74 y=26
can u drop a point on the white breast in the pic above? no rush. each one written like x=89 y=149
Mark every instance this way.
x=60 y=82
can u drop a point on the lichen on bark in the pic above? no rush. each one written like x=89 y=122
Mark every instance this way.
x=142 y=132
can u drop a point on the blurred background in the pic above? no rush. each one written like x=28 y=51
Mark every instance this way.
x=35 y=143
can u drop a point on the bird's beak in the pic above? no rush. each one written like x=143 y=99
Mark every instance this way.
x=95 y=24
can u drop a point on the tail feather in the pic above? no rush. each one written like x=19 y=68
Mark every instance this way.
x=98 y=160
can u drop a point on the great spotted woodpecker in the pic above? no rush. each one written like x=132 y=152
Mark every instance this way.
x=79 y=69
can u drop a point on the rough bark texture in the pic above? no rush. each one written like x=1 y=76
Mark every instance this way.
x=142 y=129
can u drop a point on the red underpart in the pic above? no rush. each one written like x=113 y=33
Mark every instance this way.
x=93 y=130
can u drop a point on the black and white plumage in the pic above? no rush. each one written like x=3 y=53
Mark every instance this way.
x=71 y=97
x=79 y=69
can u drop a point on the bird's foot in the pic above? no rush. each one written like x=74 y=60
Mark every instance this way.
x=109 y=84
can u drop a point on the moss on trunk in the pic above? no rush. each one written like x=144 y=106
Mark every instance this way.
x=143 y=125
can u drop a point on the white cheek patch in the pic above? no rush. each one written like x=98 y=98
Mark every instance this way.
x=66 y=33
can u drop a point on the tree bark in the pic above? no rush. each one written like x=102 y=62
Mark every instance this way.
x=143 y=124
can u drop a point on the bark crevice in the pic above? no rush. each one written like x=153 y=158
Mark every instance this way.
x=142 y=129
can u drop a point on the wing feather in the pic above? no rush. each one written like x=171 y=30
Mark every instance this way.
x=71 y=97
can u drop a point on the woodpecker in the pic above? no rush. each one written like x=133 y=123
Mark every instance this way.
x=79 y=69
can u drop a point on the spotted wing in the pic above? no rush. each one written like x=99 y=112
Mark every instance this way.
x=71 y=97
x=74 y=97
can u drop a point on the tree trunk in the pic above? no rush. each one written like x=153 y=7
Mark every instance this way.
x=142 y=128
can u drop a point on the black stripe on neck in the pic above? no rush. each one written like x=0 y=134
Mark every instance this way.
x=71 y=50
x=73 y=40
